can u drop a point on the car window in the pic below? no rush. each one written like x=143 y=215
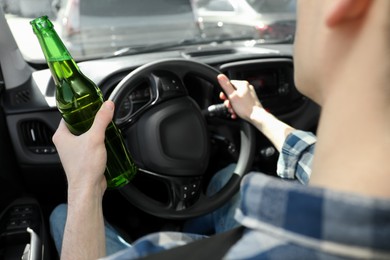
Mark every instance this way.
x=144 y=8
x=274 y=6
x=219 y=5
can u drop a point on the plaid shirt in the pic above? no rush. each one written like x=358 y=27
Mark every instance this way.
x=286 y=220
x=296 y=156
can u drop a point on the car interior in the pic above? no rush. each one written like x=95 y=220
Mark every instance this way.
x=174 y=124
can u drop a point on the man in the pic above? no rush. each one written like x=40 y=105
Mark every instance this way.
x=341 y=62
x=296 y=152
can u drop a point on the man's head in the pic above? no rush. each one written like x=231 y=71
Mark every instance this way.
x=335 y=36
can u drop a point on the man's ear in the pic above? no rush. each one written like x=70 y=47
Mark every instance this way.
x=345 y=10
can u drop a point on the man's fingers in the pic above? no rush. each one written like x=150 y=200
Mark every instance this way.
x=222 y=96
x=226 y=84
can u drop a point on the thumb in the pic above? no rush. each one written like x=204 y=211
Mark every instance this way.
x=103 y=117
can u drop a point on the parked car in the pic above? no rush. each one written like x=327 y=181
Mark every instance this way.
x=268 y=20
x=91 y=28
x=156 y=55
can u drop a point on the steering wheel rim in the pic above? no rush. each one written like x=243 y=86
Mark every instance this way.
x=203 y=204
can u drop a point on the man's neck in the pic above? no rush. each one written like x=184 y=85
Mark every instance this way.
x=354 y=139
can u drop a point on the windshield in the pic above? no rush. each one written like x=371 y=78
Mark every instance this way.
x=100 y=28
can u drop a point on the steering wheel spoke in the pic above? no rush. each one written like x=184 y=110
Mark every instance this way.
x=183 y=192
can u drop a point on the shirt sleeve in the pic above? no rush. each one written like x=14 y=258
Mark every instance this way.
x=295 y=159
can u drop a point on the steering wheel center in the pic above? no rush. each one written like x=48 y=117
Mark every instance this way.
x=171 y=138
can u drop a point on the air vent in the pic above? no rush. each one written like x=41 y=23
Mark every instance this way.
x=37 y=137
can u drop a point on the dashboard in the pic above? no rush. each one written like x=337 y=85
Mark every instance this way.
x=268 y=69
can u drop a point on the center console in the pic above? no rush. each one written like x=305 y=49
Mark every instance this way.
x=22 y=231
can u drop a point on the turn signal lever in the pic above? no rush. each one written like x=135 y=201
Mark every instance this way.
x=217 y=110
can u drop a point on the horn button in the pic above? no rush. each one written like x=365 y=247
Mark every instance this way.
x=174 y=138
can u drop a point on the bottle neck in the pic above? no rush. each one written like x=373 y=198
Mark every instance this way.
x=58 y=59
x=52 y=46
x=56 y=54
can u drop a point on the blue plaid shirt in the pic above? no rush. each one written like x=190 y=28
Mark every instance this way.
x=286 y=220
x=296 y=157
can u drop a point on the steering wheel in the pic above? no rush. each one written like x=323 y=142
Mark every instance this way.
x=168 y=139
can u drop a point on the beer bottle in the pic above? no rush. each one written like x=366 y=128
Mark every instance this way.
x=78 y=100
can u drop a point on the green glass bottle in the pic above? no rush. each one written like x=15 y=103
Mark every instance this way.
x=79 y=99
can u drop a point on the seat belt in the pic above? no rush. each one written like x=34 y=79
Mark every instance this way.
x=213 y=247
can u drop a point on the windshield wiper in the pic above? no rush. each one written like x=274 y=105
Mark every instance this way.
x=152 y=47
x=168 y=45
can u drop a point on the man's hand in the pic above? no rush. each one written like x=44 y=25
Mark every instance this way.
x=240 y=98
x=84 y=157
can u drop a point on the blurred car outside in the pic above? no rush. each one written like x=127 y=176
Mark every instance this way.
x=267 y=20
x=93 y=27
